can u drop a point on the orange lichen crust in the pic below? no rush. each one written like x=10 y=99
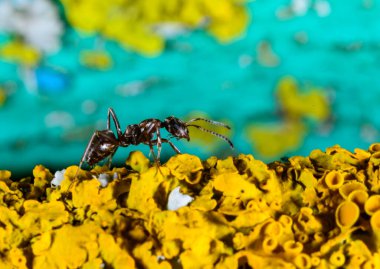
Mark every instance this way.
x=320 y=211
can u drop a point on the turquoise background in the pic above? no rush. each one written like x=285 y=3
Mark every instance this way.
x=196 y=73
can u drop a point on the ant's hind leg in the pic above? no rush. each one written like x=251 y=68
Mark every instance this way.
x=84 y=159
x=86 y=153
x=111 y=113
x=156 y=161
x=159 y=145
x=109 y=160
x=152 y=152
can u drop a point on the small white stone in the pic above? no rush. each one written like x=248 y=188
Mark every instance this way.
x=104 y=179
x=160 y=258
x=58 y=177
x=177 y=199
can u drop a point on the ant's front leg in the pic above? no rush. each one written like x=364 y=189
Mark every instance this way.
x=170 y=143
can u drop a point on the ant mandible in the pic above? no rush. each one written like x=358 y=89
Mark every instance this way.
x=104 y=143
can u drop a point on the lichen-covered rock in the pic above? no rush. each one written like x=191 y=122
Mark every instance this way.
x=321 y=211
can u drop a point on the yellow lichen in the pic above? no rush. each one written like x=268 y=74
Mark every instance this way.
x=372 y=204
x=375 y=226
x=55 y=251
x=310 y=212
x=186 y=167
x=5 y=175
x=137 y=161
x=334 y=180
x=347 y=214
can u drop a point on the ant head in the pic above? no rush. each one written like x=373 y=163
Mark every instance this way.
x=176 y=127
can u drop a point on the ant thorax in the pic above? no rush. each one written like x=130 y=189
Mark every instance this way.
x=131 y=135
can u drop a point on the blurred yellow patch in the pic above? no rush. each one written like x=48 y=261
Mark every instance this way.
x=296 y=107
x=136 y=24
x=295 y=104
x=3 y=96
x=272 y=141
x=100 y=60
x=5 y=175
x=20 y=53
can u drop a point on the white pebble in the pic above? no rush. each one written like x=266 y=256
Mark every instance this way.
x=58 y=177
x=177 y=199
x=104 y=179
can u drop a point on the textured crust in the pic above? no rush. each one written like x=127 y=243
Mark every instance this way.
x=319 y=211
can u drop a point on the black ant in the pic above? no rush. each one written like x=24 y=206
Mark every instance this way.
x=104 y=143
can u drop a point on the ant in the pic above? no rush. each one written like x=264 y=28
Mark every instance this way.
x=104 y=143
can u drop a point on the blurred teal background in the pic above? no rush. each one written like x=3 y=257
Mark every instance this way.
x=297 y=76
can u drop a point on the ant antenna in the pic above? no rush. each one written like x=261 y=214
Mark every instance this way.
x=209 y=121
x=213 y=133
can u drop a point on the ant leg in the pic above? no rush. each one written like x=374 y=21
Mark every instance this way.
x=152 y=152
x=170 y=143
x=84 y=157
x=159 y=145
x=111 y=113
x=86 y=151
x=154 y=157
x=109 y=160
x=174 y=147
